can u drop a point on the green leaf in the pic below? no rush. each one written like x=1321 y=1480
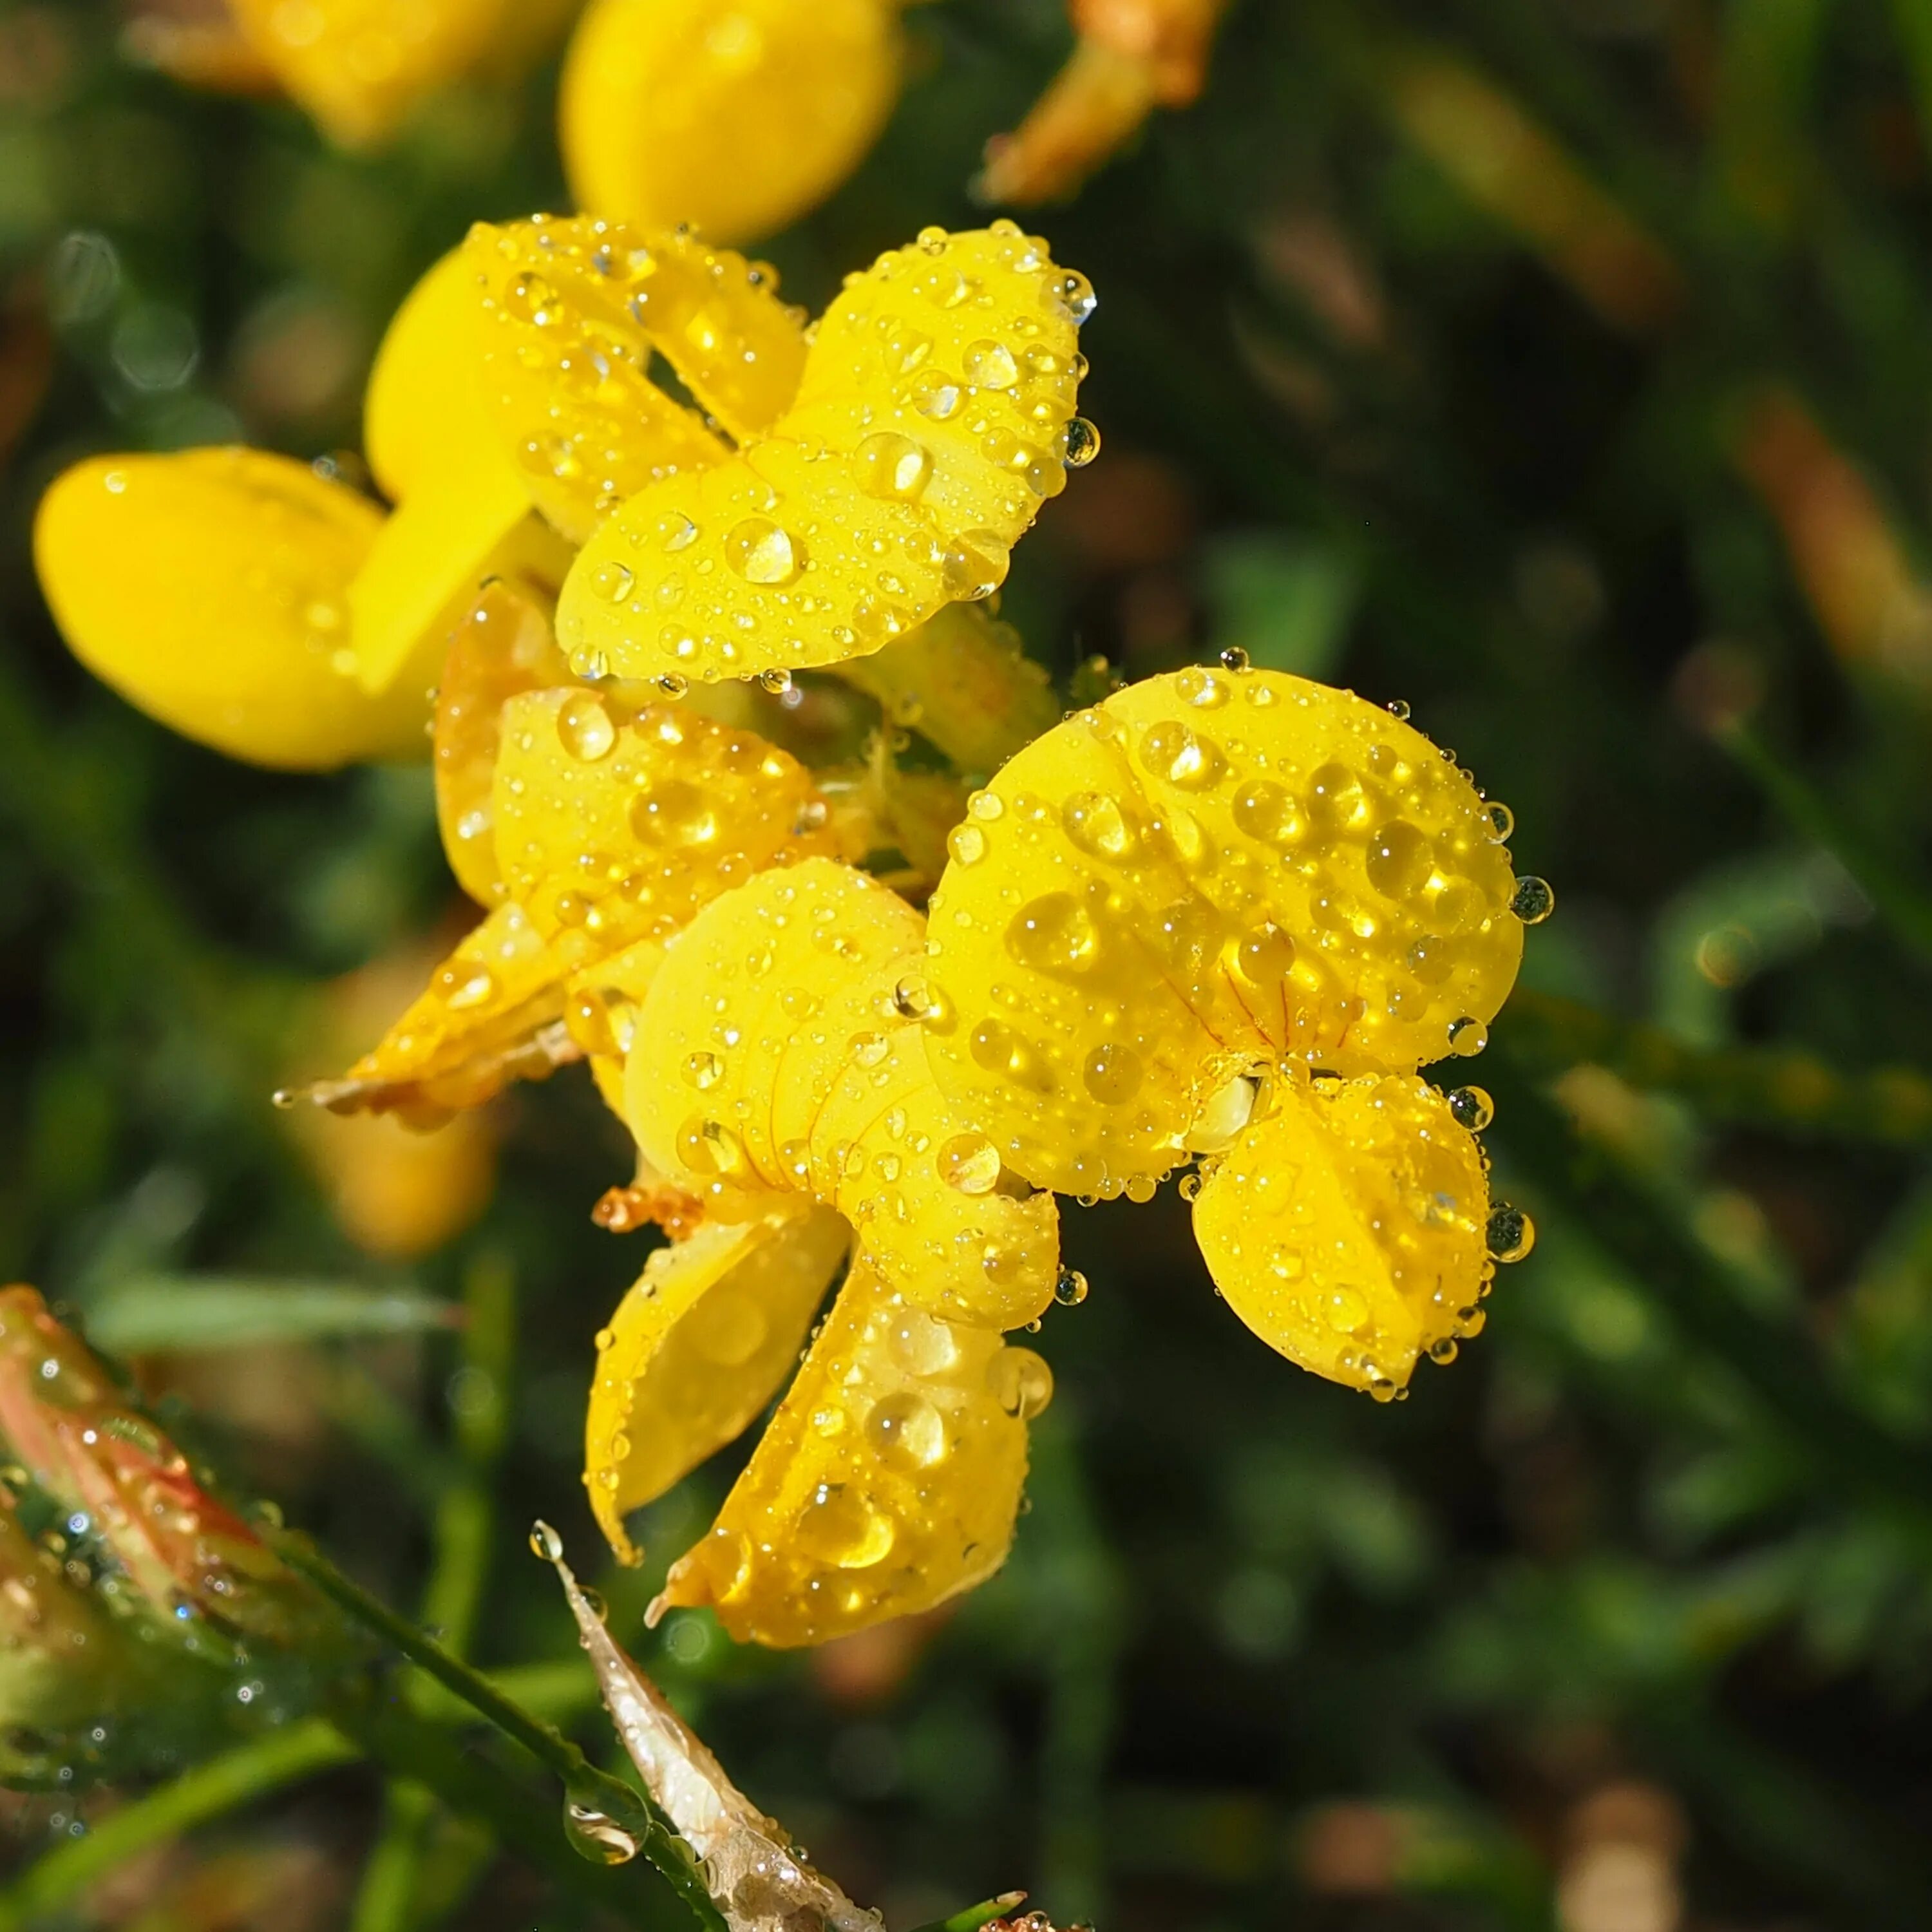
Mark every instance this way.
x=201 y=1311
x=1285 y=600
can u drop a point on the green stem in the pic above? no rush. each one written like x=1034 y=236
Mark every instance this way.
x=585 y=1787
x=249 y=1771
x=1900 y=901
x=971 y=1917
x=1784 y=1087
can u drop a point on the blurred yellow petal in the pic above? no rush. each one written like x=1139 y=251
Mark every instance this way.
x=502 y=647
x=1347 y=1229
x=779 y=1050
x=359 y=66
x=573 y=312
x=888 y=1480
x=210 y=589
x=696 y=1349
x=930 y=423
x=737 y=118
x=1211 y=871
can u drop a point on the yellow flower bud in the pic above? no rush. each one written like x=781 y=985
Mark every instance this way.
x=210 y=589
x=888 y=1480
x=735 y=118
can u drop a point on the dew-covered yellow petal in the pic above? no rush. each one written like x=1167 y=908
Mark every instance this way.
x=930 y=423
x=502 y=647
x=888 y=1481
x=492 y=1013
x=1346 y=1229
x=615 y=822
x=779 y=1050
x=697 y=1347
x=572 y=312
x=736 y=119
x=359 y=66
x=210 y=588
x=1211 y=872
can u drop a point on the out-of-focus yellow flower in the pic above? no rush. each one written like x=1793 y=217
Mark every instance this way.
x=1228 y=913
x=358 y=67
x=737 y=115
x=1131 y=57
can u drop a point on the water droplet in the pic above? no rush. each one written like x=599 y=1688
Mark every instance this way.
x=703 y=1071
x=584 y=727
x=1468 y=1037
x=1184 y=758
x=1112 y=1074
x=1533 y=901
x=595 y=1835
x=1265 y=955
x=1443 y=1350
x=545 y=1544
x=991 y=365
x=867 y=1049
x=838 y=1526
x=969 y=1162
x=1509 y=1234
x=1399 y=859
x=1069 y=1287
x=676 y=531
x=966 y=844
x=935 y=395
x=1075 y=293
x=612 y=581
x=1083 y=443
x=906 y=1431
x=1502 y=820
x=777 y=681
x=975 y=566
x=911 y=999
x=1398 y=709
x=1095 y=821
x=1053 y=933
x=760 y=552
x=1471 y=1108
x=1020 y=1381
x=893 y=466
x=933 y=241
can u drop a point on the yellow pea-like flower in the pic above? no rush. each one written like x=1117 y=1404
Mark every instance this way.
x=1211 y=872
x=697 y=1349
x=609 y=824
x=1347 y=1227
x=934 y=414
x=737 y=118
x=210 y=588
x=779 y=1050
x=888 y=1480
x=571 y=312
x=359 y=66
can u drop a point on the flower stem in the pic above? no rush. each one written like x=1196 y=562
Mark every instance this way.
x=971 y=1917
x=587 y=1787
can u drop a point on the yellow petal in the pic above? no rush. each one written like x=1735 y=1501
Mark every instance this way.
x=424 y=410
x=573 y=313
x=1212 y=871
x=359 y=66
x=778 y=1051
x=1347 y=1229
x=696 y=1349
x=888 y=1480
x=929 y=425
x=737 y=120
x=435 y=549
x=493 y=1013
x=502 y=646
x=210 y=588
x=615 y=822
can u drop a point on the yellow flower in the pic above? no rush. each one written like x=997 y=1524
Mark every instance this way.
x=1229 y=913
x=737 y=118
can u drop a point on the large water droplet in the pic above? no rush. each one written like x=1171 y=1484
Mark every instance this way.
x=893 y=466
x=761 y=552
x=584 y=728
x=1020 y=1381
